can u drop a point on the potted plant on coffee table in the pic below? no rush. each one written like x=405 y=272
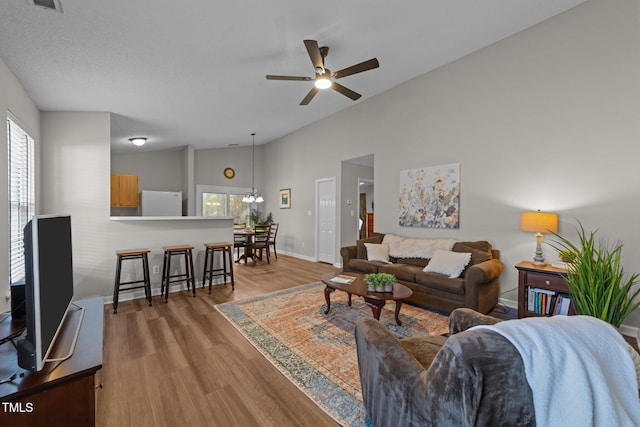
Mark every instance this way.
x=597 y=283
x=380 y=282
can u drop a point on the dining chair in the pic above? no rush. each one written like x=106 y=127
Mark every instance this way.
x=239 y=242
x=261 y=241
x=272 y=238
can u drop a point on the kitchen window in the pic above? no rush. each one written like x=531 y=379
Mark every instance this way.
x=220 y=201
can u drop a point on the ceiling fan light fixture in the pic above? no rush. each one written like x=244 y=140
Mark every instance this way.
x=138 y=141
x=323 y=82
x=324 y=78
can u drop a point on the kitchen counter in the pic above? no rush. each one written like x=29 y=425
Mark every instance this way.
x=168 y=218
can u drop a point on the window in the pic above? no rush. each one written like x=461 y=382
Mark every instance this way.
x=222 y=201
x=21 y=194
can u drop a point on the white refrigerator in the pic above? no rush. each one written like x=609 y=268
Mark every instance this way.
x=161 y=203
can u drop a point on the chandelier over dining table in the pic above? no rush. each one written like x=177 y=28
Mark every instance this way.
x=254 y=196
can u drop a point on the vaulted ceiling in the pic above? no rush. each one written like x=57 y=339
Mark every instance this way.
x=193 y=72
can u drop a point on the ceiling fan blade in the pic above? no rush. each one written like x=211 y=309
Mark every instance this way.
x=307 y=99
x=314 y=54
x=358 y=68
x=345 y=91
x=304 y=79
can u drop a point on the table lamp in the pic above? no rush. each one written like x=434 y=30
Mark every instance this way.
x=539 y=222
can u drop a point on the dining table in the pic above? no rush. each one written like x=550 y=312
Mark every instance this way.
x=248 y=234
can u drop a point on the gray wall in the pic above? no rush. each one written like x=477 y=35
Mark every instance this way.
x=210 y=164
x=546 y=119
x=75 y=180
x=182 y=170
x=156 y=170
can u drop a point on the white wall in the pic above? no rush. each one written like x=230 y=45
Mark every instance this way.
x=546 y=119
x=75 y=180
x=13 y=99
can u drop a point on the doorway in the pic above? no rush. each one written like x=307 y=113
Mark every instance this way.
x=353 y=217
x=365 y=208
x=326 y=220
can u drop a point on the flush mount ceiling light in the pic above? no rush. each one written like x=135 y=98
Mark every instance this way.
x=138 y=141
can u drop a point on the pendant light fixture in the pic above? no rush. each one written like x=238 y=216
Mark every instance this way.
x=253 y=197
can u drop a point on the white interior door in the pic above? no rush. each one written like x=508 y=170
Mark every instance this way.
x=326 y=220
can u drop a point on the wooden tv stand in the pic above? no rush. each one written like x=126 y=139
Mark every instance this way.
x=63 y=393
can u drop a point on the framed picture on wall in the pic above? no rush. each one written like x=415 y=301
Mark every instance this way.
x=284 y=199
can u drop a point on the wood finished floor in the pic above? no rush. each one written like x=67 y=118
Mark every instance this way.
x=183 y=364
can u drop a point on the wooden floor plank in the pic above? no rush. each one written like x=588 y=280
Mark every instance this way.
x=183 y=363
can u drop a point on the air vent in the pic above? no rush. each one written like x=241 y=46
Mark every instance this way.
x=47 y=4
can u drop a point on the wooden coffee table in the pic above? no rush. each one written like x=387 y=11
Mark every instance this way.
x=375 y=300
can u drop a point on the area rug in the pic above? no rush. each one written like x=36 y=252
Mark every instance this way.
x=315 y=351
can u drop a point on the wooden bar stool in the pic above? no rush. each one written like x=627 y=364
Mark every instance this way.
x=188 y=276
x=145 y=283
x=226 y=252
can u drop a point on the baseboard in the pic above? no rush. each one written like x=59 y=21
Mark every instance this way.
x=630 y=331
x=306 y=258
x=139 y=294
x=299 y=256
x=508 y=302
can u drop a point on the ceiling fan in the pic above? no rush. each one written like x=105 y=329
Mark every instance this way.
x=324 y=78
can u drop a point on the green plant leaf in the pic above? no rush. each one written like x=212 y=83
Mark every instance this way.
x=596 y=280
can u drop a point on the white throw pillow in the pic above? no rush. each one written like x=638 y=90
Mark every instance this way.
x=448 y=263
x=377 y=252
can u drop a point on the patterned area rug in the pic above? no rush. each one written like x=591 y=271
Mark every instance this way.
x=316 y=351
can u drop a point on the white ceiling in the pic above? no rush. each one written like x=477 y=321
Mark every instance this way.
x=193 y=71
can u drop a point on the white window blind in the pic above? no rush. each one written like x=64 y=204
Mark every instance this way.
x=21 y=195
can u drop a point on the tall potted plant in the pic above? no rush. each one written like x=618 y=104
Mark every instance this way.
x=595 y=277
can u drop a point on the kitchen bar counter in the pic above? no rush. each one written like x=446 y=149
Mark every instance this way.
x=167 y=218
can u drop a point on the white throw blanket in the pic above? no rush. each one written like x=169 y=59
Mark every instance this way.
x=401 y=247
x=578 y=368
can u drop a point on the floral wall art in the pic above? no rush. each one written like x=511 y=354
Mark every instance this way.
x=430 y=197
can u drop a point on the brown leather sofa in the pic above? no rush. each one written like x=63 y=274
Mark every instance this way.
x=477 y=288
x=474 y=378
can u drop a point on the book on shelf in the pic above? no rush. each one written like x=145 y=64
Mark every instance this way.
x=546 y=302
x=343 y=279
x=565 y=303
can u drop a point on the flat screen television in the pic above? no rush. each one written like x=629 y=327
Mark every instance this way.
x=48 y=286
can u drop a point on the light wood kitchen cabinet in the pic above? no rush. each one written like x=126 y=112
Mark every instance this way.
x=124 y=191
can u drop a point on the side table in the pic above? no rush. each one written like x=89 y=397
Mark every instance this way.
x=547 y=279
